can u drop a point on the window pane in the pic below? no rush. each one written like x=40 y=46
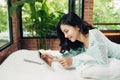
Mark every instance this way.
x=107 y=11
x=40 y=18
x=4 y=24
x=79 y=7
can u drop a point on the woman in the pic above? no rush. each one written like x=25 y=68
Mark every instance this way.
x=75 y=33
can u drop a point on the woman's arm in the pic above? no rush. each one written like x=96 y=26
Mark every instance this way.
x=97 y=50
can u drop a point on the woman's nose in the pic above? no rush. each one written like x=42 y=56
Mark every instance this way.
x=66 y=35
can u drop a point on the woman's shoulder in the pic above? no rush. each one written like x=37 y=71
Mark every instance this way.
x=95 y=34
x=95 y=31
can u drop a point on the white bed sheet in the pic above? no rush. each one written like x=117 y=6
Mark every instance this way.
x=15 y=68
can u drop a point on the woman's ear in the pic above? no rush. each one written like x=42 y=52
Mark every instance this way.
x=77 y=28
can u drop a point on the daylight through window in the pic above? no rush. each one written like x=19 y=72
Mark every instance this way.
x=5 y=37
x=106 y=14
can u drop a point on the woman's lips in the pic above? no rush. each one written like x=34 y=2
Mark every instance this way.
x=69 y=38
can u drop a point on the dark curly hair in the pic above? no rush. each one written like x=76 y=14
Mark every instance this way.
x=73 y=20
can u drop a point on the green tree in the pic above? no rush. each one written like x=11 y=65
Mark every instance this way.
x=104 y=12
x=3 y=18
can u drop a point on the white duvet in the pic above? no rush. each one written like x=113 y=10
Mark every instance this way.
x=26 y=65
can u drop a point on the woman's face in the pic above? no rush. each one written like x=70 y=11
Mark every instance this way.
x=72 y=33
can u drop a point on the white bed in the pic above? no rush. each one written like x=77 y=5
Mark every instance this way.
x=26 y=65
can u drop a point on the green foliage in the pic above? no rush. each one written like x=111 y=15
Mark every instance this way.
x=37 y=18
x=3 y=18
x=105 y=12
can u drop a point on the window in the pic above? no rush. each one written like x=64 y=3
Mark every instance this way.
x=77 y=6
x=40 y=18
x=5 y=24
x=106 y=14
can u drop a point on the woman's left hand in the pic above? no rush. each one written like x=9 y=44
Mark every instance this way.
x=66 y=62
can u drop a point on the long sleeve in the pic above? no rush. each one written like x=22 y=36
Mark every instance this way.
x=82 y=59
x=97 y=50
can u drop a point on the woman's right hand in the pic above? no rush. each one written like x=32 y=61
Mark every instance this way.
x=47 y=58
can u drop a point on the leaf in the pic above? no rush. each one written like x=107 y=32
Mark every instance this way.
x=15 y=5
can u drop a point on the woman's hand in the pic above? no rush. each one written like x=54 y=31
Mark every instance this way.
x=66 y=62
x=47 y=58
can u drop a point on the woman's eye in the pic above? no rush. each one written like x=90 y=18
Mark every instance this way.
x=66 y=31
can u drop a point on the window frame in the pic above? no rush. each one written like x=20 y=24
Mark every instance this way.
x=10 y=27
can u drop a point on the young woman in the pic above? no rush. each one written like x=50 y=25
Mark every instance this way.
x=75 y=33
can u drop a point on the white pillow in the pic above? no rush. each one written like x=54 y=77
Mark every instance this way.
x=101 y=72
